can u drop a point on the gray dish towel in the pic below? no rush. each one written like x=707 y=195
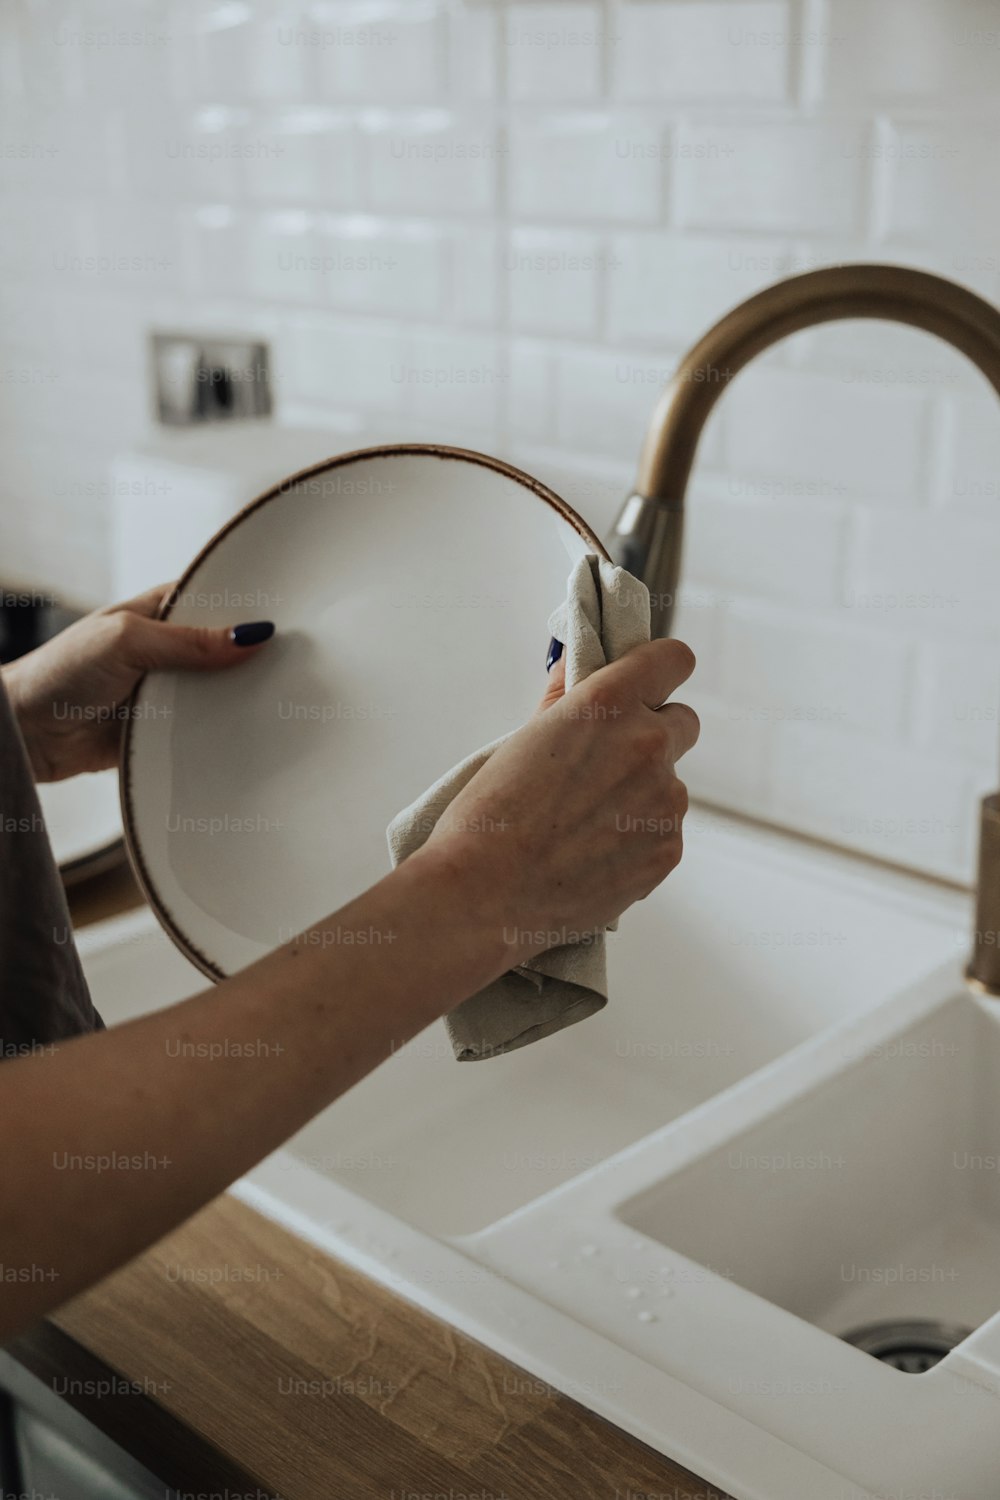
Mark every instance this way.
x=605 y=614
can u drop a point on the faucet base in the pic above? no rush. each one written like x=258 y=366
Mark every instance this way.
x=983 y=972
x=983 y=987
x=646 y=542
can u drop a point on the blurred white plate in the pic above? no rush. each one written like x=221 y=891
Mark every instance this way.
x=411 y=587
x=84 y=823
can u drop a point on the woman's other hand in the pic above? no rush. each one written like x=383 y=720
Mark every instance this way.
x=580 y=813
x=71 y=694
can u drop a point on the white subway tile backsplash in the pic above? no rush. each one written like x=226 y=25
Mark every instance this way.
x=501 y=224
x=215 y=243
x=973 y=467
x=911 y=50
x=220 y=37
x=305 y=157
x=604 y=401
x=577 y=166
x=936 y=188
x=432 y=161
x=63 y=493
x=783 y=175
x=383 y=54
x=98 y=335
x=532 y=383
x=729 y=763
x=55 y=150
x=870 y=354
x=715 y=51
x=458 y=379
x=53 y=51
x=11 y=78
x=51 y=242
x=554 y=281
x=668 y=288
x=699 y=619
x=773 y=548
x=475 y=276
x=198 y=155
x=957 y=709
x=780 y=667
x=368 y=265
x=235 y=51
x=851 y=437
x=346 y=364
x=934 y=572
x=474 y=53
x=282 y=256
x=27 y=316
x=554 y=52
x=131 y=249
x=891 y=802
x=283 y=48
x=82 y=411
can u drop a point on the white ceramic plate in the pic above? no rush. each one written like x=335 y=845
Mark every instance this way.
x=83 y=820
x=410 y=586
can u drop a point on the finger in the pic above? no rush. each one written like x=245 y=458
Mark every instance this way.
x=555 y=687
x=146 y=604
x=651 y=672
x=683 y=728
x=156 y=645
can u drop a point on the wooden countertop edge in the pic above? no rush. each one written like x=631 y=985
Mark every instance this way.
x=236 y=1359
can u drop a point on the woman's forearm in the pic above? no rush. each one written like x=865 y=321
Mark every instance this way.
x=112 y=1139
x=115 y=1138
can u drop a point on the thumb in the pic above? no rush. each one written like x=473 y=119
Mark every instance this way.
x=555 y=688
x=156 y=645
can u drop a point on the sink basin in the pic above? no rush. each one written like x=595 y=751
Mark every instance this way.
x=784 y=1126
x=897 y=1157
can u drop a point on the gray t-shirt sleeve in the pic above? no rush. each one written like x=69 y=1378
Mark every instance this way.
x=43 y=994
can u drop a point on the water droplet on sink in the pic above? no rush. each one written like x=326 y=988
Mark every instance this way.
x=646 y=1316
x=633 y=1291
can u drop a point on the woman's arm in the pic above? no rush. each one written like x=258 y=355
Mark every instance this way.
x=115 y=1138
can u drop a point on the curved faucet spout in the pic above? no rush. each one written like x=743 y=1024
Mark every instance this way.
x=648 y=534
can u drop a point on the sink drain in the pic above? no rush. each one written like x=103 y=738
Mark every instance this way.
x=914 y=1346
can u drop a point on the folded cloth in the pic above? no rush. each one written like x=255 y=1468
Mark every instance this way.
x=605 y=614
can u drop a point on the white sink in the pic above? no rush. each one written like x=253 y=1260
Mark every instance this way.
x=780 y=1129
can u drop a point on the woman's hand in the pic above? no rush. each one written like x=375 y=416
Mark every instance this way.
x=71 y=694
x=578 y=814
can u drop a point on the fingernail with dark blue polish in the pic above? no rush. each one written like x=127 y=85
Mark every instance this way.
x=252 y=634
x=555 y=651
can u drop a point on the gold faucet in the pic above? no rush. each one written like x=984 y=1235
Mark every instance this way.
x=648 y=533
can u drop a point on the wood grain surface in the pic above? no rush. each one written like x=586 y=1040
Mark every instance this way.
x=296 y=1376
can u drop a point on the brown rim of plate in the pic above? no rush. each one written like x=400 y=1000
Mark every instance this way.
x=437 y=450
